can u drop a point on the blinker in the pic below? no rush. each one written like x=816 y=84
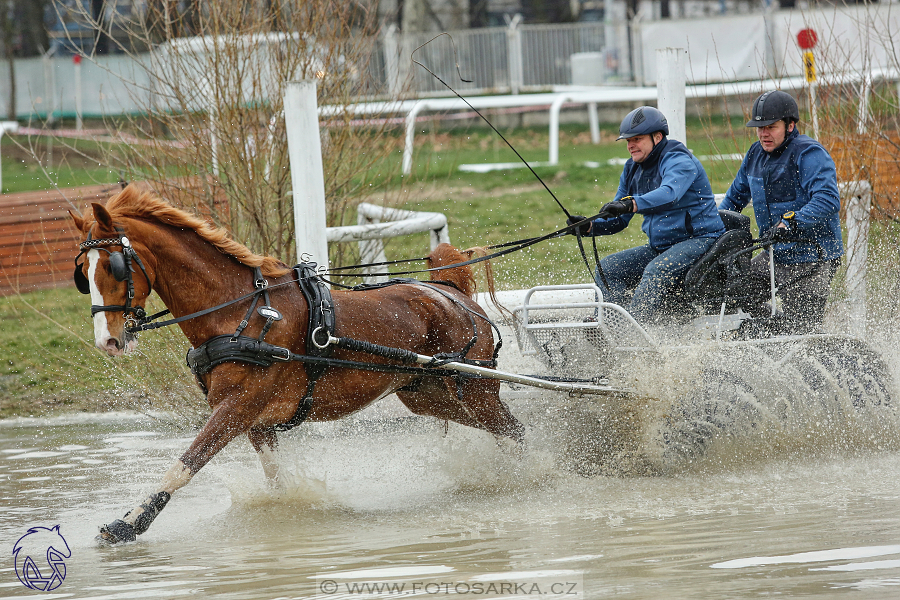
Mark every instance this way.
x=118 y=266
x=81 y=282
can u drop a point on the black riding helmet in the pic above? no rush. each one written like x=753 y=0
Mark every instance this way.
x=643 y=120
x=773 y=106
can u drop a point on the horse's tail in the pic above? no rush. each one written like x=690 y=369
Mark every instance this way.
x=462 y=277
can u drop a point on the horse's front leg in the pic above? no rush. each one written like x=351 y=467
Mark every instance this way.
x=265 y=442
x=228 y=420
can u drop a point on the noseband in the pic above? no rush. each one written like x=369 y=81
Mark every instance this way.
x=120 y=265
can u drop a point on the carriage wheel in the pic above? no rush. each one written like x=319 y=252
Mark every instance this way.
x=723 y=404
x=859 y=372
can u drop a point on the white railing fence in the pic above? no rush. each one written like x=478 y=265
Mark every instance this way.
x=377 y=223
x=506 y=59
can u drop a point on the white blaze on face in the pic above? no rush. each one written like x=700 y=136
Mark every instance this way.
x=102 y=335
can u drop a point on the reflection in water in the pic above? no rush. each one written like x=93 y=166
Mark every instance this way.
x=401 y=503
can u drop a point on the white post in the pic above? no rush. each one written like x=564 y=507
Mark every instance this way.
x=555 y=107
x=594 y=122
x=863 y=113
x=858 y=196
x=609 y=37
x=50 y=87
x=670 y=82
x=392 y=70
x=410 y=139
x=814 y=110
x=79 y=121
x=301 y=120
x=514 y=53
x=12 y=127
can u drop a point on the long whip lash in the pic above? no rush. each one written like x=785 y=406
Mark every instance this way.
x=519 y=244
x=455 y=57
x=525 y=162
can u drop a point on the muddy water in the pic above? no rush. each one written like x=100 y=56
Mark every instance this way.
x=402 y=503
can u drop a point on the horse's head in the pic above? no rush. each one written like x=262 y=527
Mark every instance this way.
x=116 y=277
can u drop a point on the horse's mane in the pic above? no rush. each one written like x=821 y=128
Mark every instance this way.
x=143 y=203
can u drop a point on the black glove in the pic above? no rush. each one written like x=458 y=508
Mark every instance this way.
x=616 y=208
x=781 y=234
x=583 y=229
x=788 y=233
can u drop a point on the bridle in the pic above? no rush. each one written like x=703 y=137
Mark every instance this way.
x=120 y=265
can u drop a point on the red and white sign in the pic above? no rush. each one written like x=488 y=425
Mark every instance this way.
x=807 y=39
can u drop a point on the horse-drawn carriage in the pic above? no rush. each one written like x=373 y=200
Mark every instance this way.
x=310 y=354
x=687 y=390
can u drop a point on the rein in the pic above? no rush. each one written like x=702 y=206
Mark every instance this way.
x=508 y=248
x=146 y=324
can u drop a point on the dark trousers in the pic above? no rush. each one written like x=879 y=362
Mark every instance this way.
x=803 y=289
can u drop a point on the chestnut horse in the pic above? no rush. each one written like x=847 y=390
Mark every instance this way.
x=194 y=266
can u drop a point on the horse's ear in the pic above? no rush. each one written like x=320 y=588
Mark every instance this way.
x=102 y=215
x=79 y=222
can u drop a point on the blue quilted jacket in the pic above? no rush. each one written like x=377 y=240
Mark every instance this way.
x=673 y=194
x=797 y=176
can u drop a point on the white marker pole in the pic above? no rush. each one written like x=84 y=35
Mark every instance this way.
x=670 y=82
x=301 y=119
x=12 y=127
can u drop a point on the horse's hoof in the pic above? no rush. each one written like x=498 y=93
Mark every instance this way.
x=116 y=532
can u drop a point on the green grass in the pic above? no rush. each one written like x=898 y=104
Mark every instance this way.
x=62 y=166
x=48 y=362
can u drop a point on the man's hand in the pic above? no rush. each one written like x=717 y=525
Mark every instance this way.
x=583 y=229
x=786 y=230
x=781 y=234
x=617 y=208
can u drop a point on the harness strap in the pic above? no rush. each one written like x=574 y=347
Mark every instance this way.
x=240 y=348
x=222 y=348
x=303 y=407
x=226 y=348
x=431 y=285
x=320 y=307
x=321 y=311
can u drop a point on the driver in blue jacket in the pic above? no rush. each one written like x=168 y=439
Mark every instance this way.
x=792 y=182
x=667 y=185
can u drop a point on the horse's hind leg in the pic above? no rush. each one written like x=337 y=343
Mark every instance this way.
x=265 y=442
x=474 y=402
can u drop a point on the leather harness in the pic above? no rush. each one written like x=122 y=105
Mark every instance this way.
x=256 y=351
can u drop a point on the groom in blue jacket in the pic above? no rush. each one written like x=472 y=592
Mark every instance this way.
x=792 y=182
x=668 y=186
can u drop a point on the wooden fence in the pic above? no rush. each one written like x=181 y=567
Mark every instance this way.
x=872 y=158
x=38 y=240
